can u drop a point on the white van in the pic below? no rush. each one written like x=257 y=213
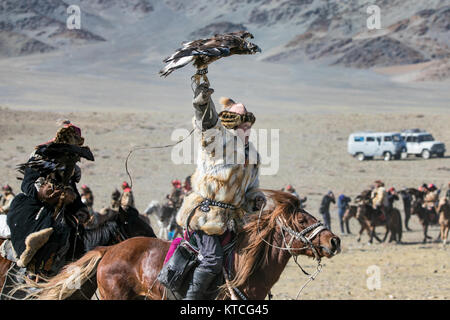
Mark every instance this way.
x=367 y=145
x=422 y=144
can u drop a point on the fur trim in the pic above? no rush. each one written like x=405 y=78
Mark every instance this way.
x=231 y=120
x=33 y=243
x=69 y=135
x=226 y=102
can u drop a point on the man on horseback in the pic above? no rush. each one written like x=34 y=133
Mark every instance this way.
x=87 y=197
x=223 y=188
x=43 y=218
x=292 y=190
x=127 y=198
x=115 y=200
x=176 y=195
x=7 y=198
x=379 y=198
x=430 y=201
x=392 y=196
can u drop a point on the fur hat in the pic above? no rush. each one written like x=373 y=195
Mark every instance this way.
x=69 y=134
x=226 y=102
x=234 y=114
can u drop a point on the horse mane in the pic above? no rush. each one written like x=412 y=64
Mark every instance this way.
x=251 y=247
x=100 y=235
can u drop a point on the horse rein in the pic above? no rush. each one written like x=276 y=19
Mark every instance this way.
x=315 y=229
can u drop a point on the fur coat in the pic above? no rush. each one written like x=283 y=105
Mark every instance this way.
x=219 y=178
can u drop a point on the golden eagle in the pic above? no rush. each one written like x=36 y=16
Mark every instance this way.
x=205 y=51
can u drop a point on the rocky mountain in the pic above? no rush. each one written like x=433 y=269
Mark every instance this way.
x=325 y=32
x=37 y=26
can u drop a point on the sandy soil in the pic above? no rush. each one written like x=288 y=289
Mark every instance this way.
x=313 y=158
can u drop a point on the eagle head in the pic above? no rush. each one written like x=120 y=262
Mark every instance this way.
x=253 y=48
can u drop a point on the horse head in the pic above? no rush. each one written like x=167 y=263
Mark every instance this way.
x=153 y=207
x=299 y=231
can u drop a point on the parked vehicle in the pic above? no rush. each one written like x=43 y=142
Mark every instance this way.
x=367 y=145
x=422 y=144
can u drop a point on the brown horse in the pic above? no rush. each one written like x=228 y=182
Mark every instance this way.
x=4 y=266
x=425 y=217
x=369 y=219
x=444 y=219
x=129 y=270
x=123 y=225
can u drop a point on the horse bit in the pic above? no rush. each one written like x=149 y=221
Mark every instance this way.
x=315 y=229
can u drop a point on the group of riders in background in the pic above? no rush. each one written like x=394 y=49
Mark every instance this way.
x=381 y=199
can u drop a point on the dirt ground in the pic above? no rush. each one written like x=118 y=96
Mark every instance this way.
x=312 y=157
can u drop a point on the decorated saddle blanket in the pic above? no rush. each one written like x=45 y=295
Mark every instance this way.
x=226 y=239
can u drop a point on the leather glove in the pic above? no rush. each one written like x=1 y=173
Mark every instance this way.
x=202 y=94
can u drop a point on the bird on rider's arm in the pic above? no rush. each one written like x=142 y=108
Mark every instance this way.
x=203 y=52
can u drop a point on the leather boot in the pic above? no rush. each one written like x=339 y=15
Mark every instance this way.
x=199 y=285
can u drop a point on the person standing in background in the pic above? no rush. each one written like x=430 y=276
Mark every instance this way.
x=325 y=208
x=342 y=205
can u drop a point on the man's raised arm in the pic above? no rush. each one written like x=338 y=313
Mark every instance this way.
x=205 y=112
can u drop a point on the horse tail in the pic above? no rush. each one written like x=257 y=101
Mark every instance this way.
x=399 y=225
x=67 y=281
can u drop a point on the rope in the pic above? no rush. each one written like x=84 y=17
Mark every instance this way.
x=164 y=146
x=311 y=278
x=151 y=147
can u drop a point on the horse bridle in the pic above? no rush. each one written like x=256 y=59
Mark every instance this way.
x=315 y=229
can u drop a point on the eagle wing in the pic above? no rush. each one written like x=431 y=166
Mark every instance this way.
x=205 y=51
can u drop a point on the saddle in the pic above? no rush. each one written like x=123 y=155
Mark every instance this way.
x=182 y=259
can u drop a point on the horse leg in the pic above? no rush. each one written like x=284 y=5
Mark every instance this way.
x=374 y=234
x=386 y=234
x=445 y=237
x=347 y=226
x=425 y=230
x=439 y=237
x=444 y=233
x=407 y=217
x=360 y=233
